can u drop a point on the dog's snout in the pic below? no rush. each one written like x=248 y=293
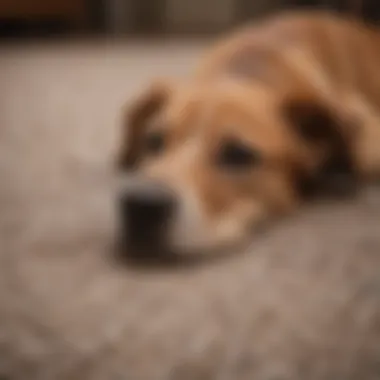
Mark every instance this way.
x=146 y=211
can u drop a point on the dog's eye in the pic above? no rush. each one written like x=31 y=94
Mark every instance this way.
x=154 y=143
x=236 y=155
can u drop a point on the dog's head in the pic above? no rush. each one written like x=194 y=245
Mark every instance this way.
x=203 y=164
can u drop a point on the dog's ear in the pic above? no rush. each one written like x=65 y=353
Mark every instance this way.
x=313 y=122
x=135 y=119
x=322 y=131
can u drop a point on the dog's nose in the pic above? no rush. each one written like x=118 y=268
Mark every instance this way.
x=146 y=212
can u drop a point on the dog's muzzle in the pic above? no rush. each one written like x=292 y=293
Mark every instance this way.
x=146 y=210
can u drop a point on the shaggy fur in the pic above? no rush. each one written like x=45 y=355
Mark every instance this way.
x=303 y=303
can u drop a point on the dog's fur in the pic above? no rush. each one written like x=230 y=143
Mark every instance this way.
x=300 y=90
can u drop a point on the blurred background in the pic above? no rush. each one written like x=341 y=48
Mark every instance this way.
x=150 y=18
x=66 y=69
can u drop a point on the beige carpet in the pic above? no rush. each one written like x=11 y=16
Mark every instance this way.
x=304 y=303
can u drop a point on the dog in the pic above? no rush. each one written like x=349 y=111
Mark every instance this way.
x=275 y=113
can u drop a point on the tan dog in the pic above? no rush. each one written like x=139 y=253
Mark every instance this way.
x=274 y=112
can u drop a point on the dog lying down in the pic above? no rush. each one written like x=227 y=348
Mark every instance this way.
x=274 y=114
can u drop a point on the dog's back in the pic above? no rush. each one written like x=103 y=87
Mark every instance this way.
x=338 y=52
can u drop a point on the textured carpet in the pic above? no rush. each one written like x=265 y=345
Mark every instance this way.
x=302 y=303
